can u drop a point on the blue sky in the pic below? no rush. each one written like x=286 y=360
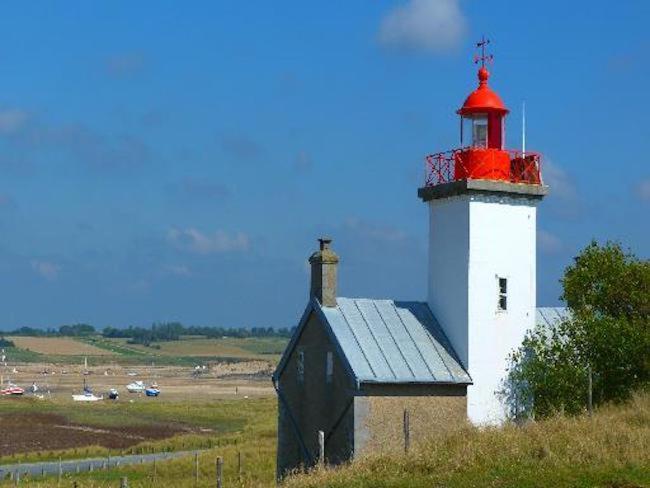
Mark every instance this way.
x=176 y=161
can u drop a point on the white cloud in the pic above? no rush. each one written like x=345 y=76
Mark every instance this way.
x=12 y=120
x=548 y=243
x=47 y=270
x=643 y=190
x=193 y=240
x=558 y=180
x=424 y=25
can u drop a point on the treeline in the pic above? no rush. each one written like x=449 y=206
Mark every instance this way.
x=75 y=330
x=172 y=331
x=165 y=331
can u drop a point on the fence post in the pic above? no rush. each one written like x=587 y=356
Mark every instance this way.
x=219 y=472
x=321 y=449
x=407 y=430
x=124 y=482
x=60 y=472
x=239 y=466
x=590 y=397
x=196 y=469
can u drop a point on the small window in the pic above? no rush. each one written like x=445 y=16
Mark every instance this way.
x=329 y=367
x=503 y=294
x=301 y=367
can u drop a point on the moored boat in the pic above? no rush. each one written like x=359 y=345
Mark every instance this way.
x=87 y=395
x=12 y=389
x=152 y=390
x=136 y=387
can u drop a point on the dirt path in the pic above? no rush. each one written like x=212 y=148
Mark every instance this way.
x=49 y=468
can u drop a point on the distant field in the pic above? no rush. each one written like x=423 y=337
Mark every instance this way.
x=60 y=346
x=252 y=347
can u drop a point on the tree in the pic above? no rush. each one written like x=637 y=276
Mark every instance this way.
x=607 y=336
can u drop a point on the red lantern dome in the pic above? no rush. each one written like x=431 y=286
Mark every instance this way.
x=482 y=154
x=483 y=99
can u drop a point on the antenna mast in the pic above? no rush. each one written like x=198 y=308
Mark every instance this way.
x=523 y=129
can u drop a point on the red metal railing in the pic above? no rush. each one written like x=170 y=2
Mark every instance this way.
x=489 y=164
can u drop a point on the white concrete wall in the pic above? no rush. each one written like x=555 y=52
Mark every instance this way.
x=475 y=239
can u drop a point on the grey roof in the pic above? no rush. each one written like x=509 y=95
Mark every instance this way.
x=549 y=317
x=385 y=341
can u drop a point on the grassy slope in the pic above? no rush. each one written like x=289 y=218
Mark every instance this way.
x=248 y=348
x=187 y=352
x=611 y=449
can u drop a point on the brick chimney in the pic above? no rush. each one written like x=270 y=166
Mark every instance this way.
x=324 y=263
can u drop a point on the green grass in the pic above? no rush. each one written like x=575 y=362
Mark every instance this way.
x=243 y=426
x=610 y=449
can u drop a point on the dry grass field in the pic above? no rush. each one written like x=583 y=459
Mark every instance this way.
x=60 y=346
x=611 y=449
x=250 y=348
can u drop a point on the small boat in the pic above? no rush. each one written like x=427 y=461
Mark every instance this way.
x=136 y=387
x=87 y=395
x=152 y=391
x=12 y=389
x=113 y=394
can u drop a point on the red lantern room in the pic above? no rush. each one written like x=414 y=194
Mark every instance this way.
x=482 y=153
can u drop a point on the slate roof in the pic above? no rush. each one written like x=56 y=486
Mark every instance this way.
x=386 y=341
x=549 y=317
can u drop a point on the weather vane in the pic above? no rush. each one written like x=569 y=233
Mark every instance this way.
x=483 y=58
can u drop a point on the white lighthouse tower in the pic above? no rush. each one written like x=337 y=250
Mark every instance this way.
x=482 y=202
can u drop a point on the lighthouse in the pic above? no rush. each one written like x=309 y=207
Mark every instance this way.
x=482 y=201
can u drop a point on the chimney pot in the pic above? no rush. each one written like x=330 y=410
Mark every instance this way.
x=324 y=264
x=324 y=243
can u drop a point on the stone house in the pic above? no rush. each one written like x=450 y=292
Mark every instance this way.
x=355 y=368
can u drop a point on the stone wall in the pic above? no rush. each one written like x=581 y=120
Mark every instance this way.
x=379 y=416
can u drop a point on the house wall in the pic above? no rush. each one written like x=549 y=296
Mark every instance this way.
x=315 y=404
x=379 y=415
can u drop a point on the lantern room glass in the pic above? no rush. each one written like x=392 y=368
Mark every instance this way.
x=479 y=131
x=477 y=126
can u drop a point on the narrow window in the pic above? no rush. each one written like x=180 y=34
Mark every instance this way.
x=503 y=294
x=329 y=367
x=301 y=367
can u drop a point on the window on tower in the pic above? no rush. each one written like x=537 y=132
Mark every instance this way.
x=503 y=294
